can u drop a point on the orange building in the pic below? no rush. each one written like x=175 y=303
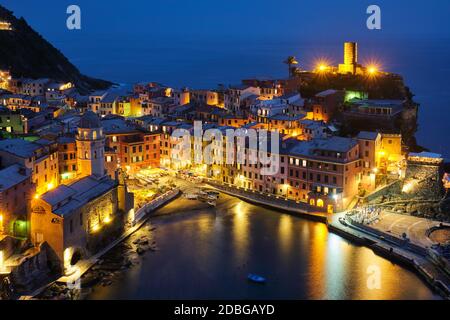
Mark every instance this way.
x=325 y=173
x=135 y=149
x=67 y=155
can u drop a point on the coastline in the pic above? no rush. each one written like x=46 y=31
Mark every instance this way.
x=423 y=268
x=419 y=264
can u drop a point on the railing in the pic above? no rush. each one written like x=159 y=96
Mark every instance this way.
x=154 y=204
x=264 y=198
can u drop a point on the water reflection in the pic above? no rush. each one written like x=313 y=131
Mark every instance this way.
x=207 y=253
x=240 y=233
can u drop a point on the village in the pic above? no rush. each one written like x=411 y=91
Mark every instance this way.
x=80 y=170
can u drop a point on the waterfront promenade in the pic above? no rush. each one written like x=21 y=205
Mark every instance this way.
x=385 y=238
x=416 y=258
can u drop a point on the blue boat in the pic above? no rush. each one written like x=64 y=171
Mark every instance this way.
x=255 y=278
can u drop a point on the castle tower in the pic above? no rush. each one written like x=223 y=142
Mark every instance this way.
x=350 y=58
x=90 y=146
x=350 y=53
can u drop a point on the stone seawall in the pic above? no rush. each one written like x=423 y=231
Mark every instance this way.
x=290 y=206
x=155 y=204
x=417 y=260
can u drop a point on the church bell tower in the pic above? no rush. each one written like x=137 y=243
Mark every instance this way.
x=90 y=142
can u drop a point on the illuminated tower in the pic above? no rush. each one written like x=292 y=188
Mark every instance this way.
x=350 y=58
x=90 y=146
x=350 y=53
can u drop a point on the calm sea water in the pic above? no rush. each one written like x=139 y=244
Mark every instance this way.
x=207 y=62
x=207 y=253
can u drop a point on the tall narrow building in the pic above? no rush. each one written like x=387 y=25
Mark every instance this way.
x=350 y=53
x=90 y=142
x=350 y=58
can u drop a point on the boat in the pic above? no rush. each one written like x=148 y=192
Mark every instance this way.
x=214 y=194
x=211 y=203
x=255 y=278
x=191 y=196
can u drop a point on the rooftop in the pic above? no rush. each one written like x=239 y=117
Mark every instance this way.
x=12 y=176
x=19 y=147
x=326 y=93
x=66 y=199
x=285 y=117
x=89 y=120
x=377 y=103
x=117 y=125
x=367 y=135
x=335 y=144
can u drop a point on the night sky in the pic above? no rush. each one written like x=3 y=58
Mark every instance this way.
x=319 y=19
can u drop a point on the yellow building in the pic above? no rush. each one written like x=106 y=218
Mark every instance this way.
x=78 y=218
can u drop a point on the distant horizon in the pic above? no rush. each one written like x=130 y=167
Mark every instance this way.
x=225 y=18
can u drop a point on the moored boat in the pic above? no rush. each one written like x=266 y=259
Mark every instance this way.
x=255 y=278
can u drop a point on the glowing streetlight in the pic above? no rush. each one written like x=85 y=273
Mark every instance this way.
x=322 y=66
x=372 y=70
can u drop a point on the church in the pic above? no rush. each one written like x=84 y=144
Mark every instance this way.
x=78 y=219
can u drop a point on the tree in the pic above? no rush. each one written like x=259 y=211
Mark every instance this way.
x=290 y=61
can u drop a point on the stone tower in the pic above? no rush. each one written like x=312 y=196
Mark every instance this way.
x=90 y=146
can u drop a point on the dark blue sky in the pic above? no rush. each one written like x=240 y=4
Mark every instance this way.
x=318 y=19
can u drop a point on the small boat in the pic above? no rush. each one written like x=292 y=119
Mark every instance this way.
x=211 y=203
x=255 y=278
x=213 y=194
x=191 y=196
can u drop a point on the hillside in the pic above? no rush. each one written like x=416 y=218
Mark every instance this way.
x=27 y=54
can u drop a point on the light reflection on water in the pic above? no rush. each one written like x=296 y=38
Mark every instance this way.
x=207 y=253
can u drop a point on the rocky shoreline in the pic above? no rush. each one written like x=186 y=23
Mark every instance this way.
x=109 y=268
